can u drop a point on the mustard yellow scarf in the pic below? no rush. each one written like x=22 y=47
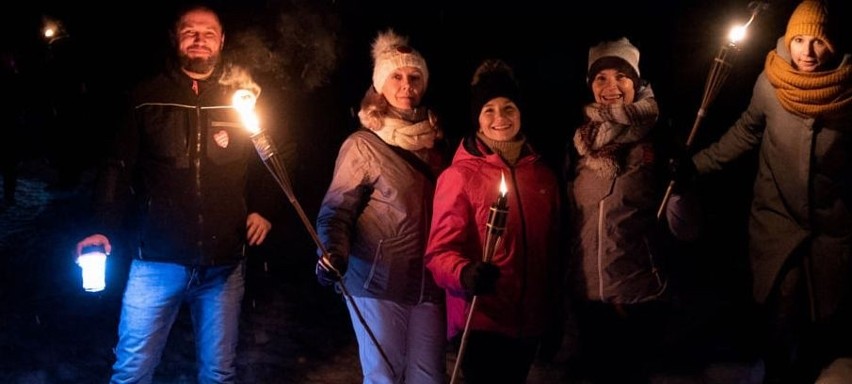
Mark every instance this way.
x=812 y=94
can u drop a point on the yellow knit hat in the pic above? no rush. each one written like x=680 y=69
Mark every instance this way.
x=809 y=18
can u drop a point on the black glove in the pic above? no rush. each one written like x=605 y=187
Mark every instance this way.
x=682 y=169
x=480 y=278
x=325 y=269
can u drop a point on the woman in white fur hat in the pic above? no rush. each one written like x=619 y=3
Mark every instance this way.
x=375 y=217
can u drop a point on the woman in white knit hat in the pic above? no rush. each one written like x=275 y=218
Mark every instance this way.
x=375 y=217
x=800 y=226
x=615 y=183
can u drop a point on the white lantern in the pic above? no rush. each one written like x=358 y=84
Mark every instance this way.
x=92 y=261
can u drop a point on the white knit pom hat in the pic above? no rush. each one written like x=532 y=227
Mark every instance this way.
x=391 y=51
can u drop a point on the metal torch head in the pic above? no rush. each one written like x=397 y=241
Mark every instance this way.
x=497 y=216
x=263 y=145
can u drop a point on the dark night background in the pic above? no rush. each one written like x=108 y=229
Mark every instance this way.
x=312 y=59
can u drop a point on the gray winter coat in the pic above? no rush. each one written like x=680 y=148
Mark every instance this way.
x=802 y=192
x=615 y=219
x=377 y=211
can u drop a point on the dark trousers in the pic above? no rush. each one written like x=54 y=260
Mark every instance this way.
x=620 y=343
x=798 y=344
x=495 y=358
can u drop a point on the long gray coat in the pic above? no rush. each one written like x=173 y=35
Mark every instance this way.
x=802 y=192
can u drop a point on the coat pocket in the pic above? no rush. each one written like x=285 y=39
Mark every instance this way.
x=389 y=269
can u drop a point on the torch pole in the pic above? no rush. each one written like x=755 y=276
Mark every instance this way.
x=698 y=118
x=266 y=149
x=719 y=72
x=722 y=64
x=493 y=236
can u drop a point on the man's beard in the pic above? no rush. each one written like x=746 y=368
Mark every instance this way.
x=198 y=65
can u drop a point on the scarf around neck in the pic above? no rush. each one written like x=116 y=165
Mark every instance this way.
x=408 y=134
x=408 y=129
x=811 y=94
x=509 y=150
x=609 y=128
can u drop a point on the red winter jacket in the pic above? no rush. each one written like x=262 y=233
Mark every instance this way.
x=525 y=301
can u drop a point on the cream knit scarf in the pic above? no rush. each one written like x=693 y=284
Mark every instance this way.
x=810 y=93
x=408 y=134
x=612 y=127
x=408 y=129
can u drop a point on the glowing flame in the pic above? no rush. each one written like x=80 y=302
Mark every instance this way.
x=52 y=29
x=503 y=188
x=243 y=101
x=737 y=33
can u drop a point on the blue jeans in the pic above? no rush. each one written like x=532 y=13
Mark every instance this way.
x=153 y=297
x=412 y=336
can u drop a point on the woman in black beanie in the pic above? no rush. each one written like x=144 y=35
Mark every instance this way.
x=517 y=289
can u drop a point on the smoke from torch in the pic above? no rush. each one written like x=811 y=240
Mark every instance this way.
x=237 y=77
x=299 y=45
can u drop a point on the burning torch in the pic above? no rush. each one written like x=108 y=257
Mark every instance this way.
x=719 y=71
x=53 y=30
x=244 y=101
x=494 y=229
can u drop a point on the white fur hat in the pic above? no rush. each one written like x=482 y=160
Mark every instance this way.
x=620 y=48
x=391 y=51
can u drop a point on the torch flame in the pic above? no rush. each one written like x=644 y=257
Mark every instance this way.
x=503 y=188
x=243 y=101
x=737 y=33
x=52 y=30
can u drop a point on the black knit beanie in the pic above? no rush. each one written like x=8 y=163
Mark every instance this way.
x=493 y=78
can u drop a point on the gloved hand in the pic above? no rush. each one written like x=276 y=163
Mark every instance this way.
x=682 y=169
x=330 y=270
x=480 y=278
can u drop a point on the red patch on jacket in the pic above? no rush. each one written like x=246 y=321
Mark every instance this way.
x=221 y=138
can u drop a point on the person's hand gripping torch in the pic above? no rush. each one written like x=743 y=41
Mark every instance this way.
x=244 y=101
x=494 y=229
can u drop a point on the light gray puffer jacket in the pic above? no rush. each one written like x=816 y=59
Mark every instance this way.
x=377 y=211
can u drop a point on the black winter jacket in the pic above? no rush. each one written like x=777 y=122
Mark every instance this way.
x=185 y=160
